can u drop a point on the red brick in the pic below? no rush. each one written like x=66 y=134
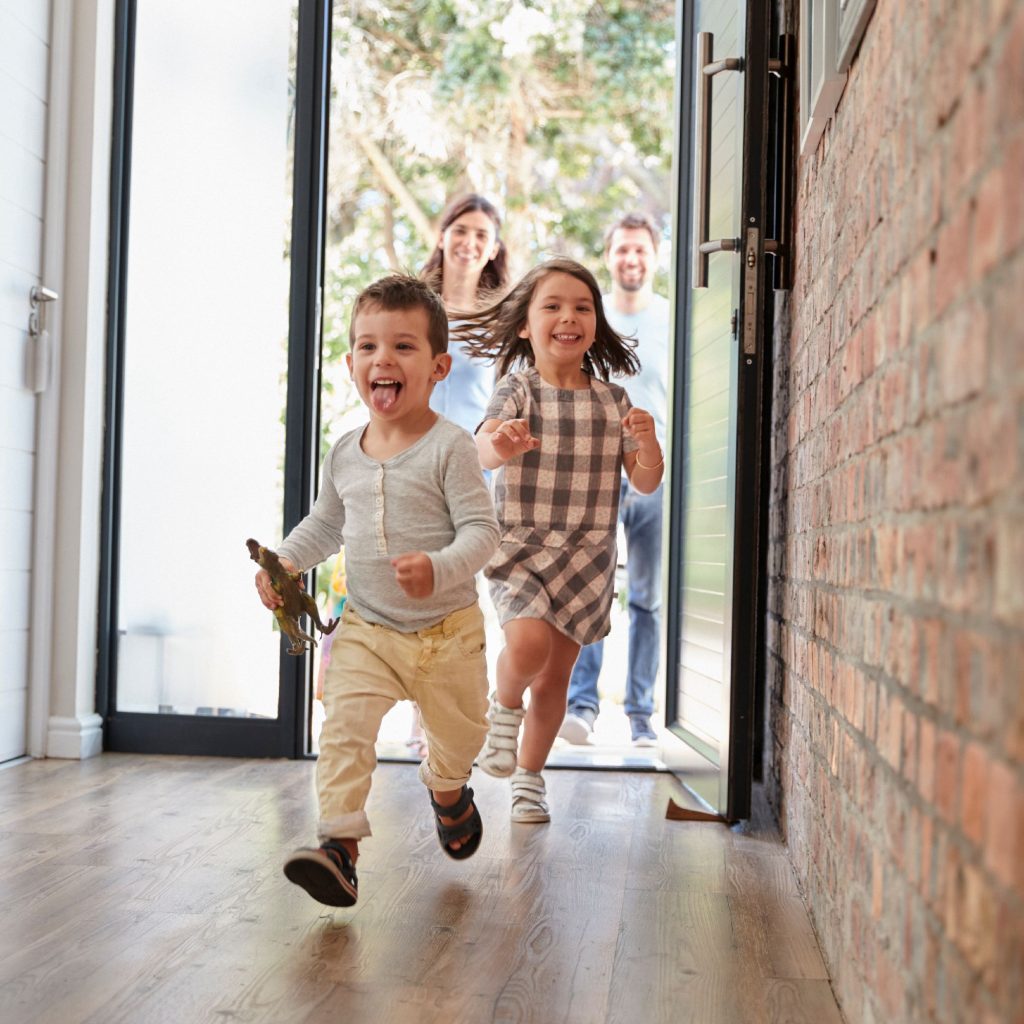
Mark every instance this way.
x=877 y=884
x=951 y=257
x=890 y=725
x=989 y=216
x=963 y=356
x=977 y=914
x=927 y=850
x=1013 y=174
x=926 y=760
x=870 y=709
x=990 y=469
x=909 y=745
x=890 y=987
x=947 y=762
x=1008 y=558
x=974 y=792
x=1009 y=73
x=1004 y=831
x=932 y=665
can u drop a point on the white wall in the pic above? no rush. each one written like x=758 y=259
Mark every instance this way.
x=56 y=73
x=24 y=64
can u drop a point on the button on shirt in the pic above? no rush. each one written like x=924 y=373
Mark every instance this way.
x=430 y=497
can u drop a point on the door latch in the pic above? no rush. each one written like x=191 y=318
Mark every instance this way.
x=38 y=357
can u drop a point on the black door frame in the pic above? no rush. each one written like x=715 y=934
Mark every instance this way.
x=753 y=386
x=287 y=736
x=188 y=734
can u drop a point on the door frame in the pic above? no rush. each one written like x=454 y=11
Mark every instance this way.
x=733 y=769
x=284 y=736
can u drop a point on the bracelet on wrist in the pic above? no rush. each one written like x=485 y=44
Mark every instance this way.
x=660 y=462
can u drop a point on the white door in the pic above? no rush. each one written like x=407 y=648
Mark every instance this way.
x=24 y=65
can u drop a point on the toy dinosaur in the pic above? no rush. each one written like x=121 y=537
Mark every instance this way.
x=296 y=601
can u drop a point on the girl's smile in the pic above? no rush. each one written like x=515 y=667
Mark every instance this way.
x=561 y=322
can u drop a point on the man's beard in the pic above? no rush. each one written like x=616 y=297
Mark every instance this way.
x=630 y=285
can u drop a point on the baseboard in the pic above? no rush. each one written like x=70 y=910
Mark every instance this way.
x=75 y=738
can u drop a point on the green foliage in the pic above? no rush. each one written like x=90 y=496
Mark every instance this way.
x=561 y=111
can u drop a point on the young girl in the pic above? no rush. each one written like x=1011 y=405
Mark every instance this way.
x=558 y=435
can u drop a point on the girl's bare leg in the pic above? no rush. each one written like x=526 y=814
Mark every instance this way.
x=526 y=651
x=547 y=700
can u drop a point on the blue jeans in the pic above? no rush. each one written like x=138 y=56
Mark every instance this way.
x=641 y=516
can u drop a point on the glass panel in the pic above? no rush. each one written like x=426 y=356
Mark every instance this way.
x=560 y=114
x=205 y=354
x=705 y=532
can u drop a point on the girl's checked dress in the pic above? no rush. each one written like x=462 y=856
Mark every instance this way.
x=558 y=505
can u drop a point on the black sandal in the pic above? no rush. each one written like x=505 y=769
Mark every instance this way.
x=472 y=829
x=327 y=873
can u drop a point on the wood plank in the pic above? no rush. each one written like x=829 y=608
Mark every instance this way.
x=148 y=889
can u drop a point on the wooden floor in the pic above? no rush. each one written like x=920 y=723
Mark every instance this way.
x=138 y=889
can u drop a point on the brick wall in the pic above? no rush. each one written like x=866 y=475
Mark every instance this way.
x=896 y=628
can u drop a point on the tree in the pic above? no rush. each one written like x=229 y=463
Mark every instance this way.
x=559 y=110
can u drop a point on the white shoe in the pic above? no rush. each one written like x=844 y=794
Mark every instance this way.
x=577 y=728
x=499 y=754
x=528 y=793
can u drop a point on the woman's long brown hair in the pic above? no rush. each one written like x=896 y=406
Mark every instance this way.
x=494 y=277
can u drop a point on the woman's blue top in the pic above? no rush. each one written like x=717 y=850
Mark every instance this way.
x=463 y=395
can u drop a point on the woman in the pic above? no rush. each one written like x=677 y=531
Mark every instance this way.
x=468 y=269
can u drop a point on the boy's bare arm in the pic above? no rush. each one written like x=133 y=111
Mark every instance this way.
x=497 y=441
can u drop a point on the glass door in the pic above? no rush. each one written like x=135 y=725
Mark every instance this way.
x=213 y=316
x=713 y=562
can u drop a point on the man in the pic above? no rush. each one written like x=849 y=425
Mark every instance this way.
x=630 y=253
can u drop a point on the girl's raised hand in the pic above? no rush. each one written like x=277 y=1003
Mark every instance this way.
x=512 y=438
x=414 y=573
x=639 y=424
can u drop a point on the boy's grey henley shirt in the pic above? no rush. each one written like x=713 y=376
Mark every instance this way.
x=430 y=497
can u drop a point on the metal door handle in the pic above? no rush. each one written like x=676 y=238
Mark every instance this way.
x=707 y=68
x=38 y=357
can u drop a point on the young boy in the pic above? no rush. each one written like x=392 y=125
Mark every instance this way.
x=406 y=497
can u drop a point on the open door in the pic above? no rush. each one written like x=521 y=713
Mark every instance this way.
x=218 y=185
x=715 y=555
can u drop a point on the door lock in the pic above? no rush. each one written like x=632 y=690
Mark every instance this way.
x=38 y=358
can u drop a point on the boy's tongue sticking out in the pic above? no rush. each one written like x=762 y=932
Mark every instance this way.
x=384 y=393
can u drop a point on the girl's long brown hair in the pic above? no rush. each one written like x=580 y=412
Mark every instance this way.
x=493 y=333
x=494 y=276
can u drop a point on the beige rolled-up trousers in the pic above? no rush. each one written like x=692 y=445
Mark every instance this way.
x=442 y=668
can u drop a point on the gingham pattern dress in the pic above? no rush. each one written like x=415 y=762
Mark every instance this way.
x=558 y=505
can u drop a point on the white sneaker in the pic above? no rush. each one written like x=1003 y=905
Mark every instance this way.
x=578 y=726
x=499 y=754
x=528 y=793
